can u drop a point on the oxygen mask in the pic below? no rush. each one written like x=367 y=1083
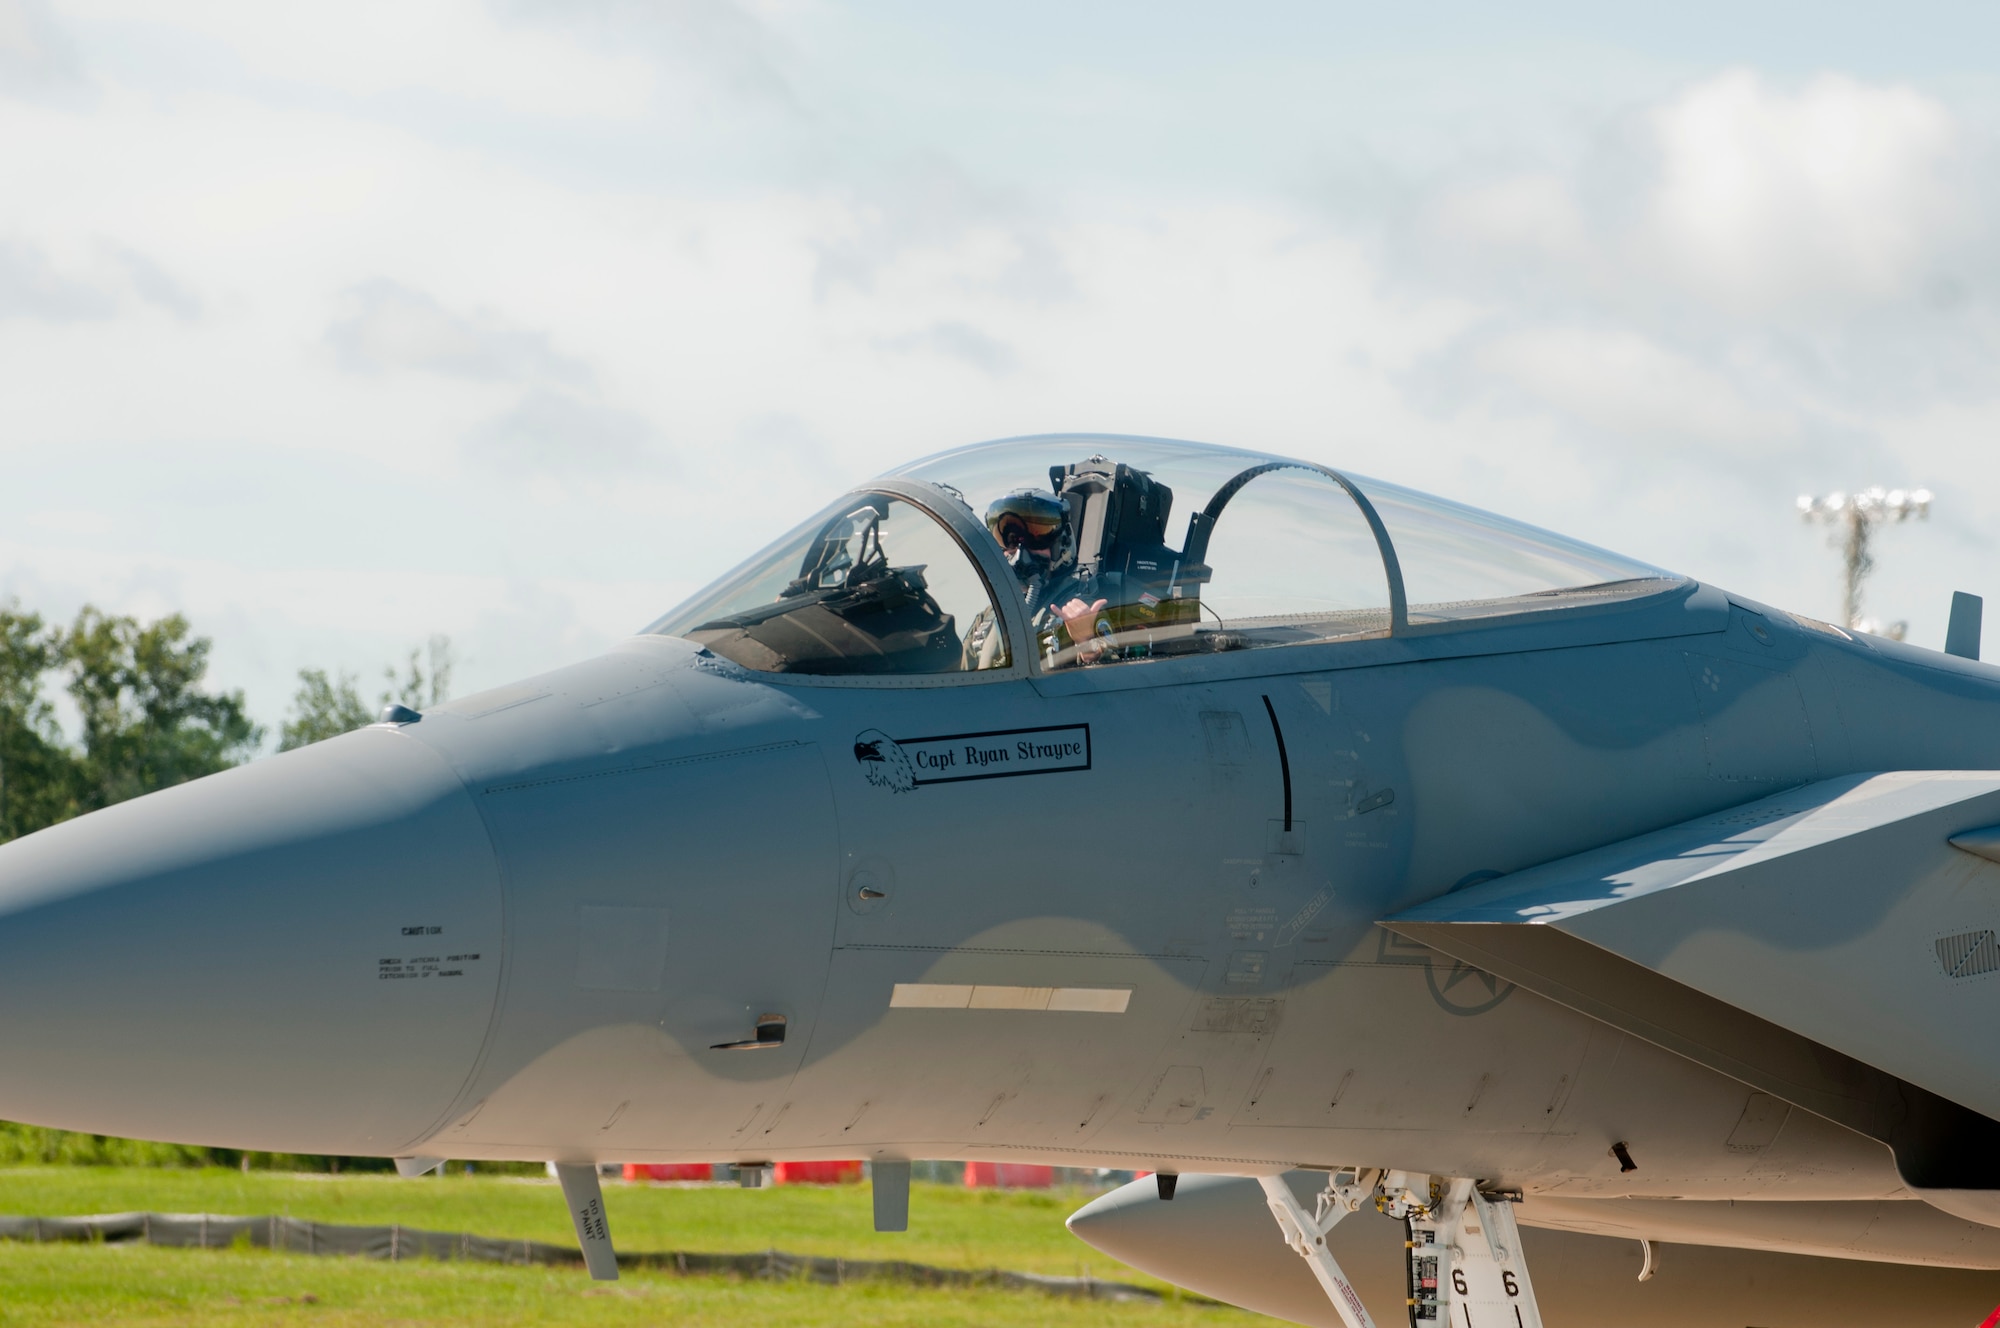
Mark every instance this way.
x=1032 y=528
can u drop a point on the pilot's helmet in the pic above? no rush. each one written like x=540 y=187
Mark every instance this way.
x=1033 y=528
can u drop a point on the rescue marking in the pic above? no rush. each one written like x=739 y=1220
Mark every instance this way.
x=954 y=758
x=986 y=996
x=1307 y=912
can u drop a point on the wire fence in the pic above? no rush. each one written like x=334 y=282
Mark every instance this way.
x=298 y=1236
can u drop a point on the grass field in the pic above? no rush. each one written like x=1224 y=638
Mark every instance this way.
x=76 y=1284
x=949 y=1225
x=135 y=1285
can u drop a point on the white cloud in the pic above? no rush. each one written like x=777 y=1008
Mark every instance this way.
x=1837 y=194
x=1773 y=269
x=386 y=325
x=718 y=43
x=31 y=287
x=461 y=331
x=445 y=50
x=985 y=239
x=105 y=280
x=1739 y=200
x=561 y=434
x=153 y=284
x=1531 y=215
x=958 y=341
x=1627 y=386
x=35 y=56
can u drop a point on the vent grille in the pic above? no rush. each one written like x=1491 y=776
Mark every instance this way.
x=1969 y=954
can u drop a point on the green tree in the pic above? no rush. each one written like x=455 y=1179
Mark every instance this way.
x=428 y=681
x=146 y=720
x=323 y=708
x=147 y=723
x=326 y=707
x=38 y=774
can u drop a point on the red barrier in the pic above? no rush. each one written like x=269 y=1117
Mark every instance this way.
x=669 y=1171
x=1009 y=1175
x=817 y=1173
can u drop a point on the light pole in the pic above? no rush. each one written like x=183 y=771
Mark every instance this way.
x=1854 y=517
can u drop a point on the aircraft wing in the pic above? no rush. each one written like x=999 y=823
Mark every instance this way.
x=1835 y=945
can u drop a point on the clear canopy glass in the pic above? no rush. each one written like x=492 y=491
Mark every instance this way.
x=1460 y=562
x=870 y=585
x=1160 y=548
x=1293 y=546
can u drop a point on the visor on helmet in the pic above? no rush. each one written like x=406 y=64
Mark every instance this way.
x=1026 y=519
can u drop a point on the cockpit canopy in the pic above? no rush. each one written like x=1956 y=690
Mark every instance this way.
x=1129 y=549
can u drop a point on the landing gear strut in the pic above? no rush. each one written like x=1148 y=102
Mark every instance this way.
x=1306 y=1234
x=1463 y=1248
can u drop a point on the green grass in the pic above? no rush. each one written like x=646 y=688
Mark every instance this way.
x=47 y=1285
x=951 y=1226
x=135 y=1284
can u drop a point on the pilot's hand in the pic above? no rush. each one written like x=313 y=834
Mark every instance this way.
x=1080 y=620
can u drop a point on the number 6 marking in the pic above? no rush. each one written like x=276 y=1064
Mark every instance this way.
x=1507 y=1280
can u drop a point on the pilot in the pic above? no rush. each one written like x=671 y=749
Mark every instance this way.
x=1034 y=530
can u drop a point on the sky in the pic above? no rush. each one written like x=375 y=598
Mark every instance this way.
x=334 y=327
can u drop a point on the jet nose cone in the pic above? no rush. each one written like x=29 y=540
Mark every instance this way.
x=297 y=955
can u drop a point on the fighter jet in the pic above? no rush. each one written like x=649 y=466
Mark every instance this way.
x=1385 y=875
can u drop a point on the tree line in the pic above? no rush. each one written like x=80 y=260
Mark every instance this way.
x=145 y=717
